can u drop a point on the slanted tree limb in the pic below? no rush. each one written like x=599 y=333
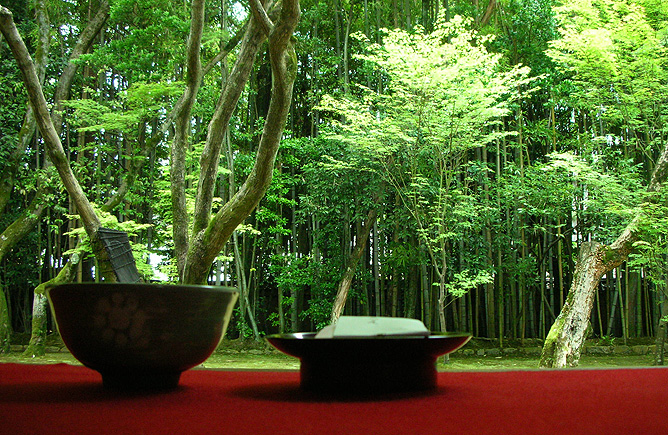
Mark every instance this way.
x=84 y=43
x=233 y=42
x=29 y=218
x=178 y=106
x=217 y=128
x=16 y=155
x=52 y=141
x=353 y=261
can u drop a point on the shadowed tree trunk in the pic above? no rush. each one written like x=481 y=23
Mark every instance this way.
x=491 y=6
x=5 y=324
x=564 y=342
x=661 y=332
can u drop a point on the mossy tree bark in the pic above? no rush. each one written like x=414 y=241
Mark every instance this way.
x=11 y=236
x=5 y=323
x=36 y=346
x=563 y=345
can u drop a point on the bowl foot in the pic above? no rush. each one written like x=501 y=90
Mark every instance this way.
x=142 y=381
x=369 y=377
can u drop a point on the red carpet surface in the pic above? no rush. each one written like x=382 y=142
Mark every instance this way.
x=64 y=399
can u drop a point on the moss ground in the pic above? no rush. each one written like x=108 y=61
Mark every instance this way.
x=260 y=357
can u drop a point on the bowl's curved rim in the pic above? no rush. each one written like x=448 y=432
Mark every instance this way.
x=104 y=286
x=305 y=345
x=311 y=335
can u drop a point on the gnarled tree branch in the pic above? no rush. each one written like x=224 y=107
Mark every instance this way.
x=210 y=235
x=260 y=15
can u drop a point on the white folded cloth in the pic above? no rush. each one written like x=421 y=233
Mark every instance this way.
x=369 y=326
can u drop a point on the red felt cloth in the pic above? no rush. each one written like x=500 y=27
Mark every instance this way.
x=63 y=399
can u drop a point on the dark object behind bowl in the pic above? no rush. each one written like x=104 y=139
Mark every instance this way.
x=117 y=245
x=141 y=336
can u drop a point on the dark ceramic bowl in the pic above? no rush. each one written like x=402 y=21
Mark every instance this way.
x=368 y=365
x=141 y=336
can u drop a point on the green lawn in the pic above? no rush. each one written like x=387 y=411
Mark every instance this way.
x=257 y=360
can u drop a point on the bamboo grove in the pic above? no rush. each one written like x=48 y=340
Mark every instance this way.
x=442 y=160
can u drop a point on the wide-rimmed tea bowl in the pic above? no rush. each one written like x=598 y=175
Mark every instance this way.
x=141 y=336
x=368 y=366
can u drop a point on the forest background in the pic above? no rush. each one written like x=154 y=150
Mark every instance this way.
x=442 y=160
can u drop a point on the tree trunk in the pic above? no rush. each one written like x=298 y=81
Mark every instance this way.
x=181 y=117
x=38 y=328
x=491 y=6
x=442 y=296
x=353 y=260
x=38 y=332
x=5 y=323
x=182 y=127
x=375 y=260
x=661 y=332
x=8 y=174
x=346 y=55
x=244 y=300
x=564 y=342
x=9 y=238
x=425 y=290
x=27 y=131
